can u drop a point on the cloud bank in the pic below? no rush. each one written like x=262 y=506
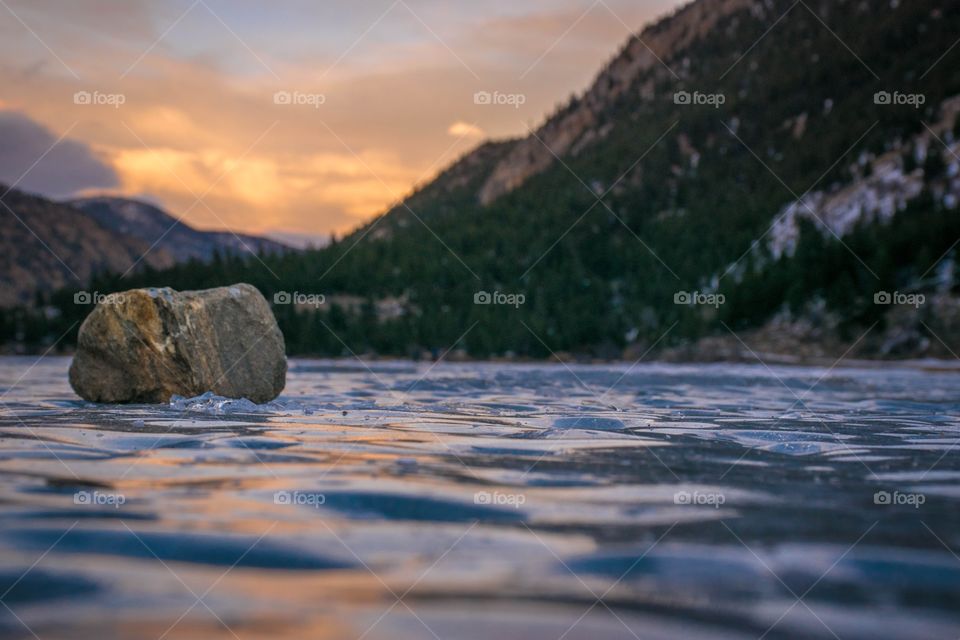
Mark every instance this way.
x=32 y=157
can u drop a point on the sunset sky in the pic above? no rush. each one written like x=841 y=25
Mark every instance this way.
x=187 y=115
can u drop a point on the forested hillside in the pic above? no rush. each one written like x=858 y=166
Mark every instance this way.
x=781 y=162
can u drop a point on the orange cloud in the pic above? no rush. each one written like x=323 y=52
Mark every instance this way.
x=264 y=191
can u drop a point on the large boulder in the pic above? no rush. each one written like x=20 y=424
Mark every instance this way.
x=146 y=345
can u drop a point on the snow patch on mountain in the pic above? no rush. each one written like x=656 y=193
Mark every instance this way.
x=877 y=196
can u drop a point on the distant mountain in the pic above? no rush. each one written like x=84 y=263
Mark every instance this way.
x=155 y=226
x=296 y=240
x=788 y=171
x=46 y=245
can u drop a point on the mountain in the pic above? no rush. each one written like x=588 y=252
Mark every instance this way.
x=48 y=245
x=154 y=226
x=767 y=172
x=45 y=245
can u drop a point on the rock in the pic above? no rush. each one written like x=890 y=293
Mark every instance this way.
x=147 y=345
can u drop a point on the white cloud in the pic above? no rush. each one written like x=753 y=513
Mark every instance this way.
x=462 y=129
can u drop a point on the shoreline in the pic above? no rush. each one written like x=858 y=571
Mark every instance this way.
x=933 y=365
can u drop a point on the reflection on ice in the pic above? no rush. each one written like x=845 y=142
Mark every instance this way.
x=503 y=501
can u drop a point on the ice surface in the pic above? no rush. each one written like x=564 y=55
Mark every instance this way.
x=211 y=403
x=700 y=501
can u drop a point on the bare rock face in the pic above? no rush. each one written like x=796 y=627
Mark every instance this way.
x=146 y=345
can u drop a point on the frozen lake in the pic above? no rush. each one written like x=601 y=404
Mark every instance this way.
x=398 y=500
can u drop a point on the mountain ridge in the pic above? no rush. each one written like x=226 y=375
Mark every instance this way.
x=49 y=245
x=564 y=131
x=151 y=224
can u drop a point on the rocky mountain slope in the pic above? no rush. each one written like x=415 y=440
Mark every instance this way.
x=583 y=123
x=155 y=226
x=45 y=245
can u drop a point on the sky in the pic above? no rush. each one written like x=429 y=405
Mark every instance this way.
x=294 y=118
